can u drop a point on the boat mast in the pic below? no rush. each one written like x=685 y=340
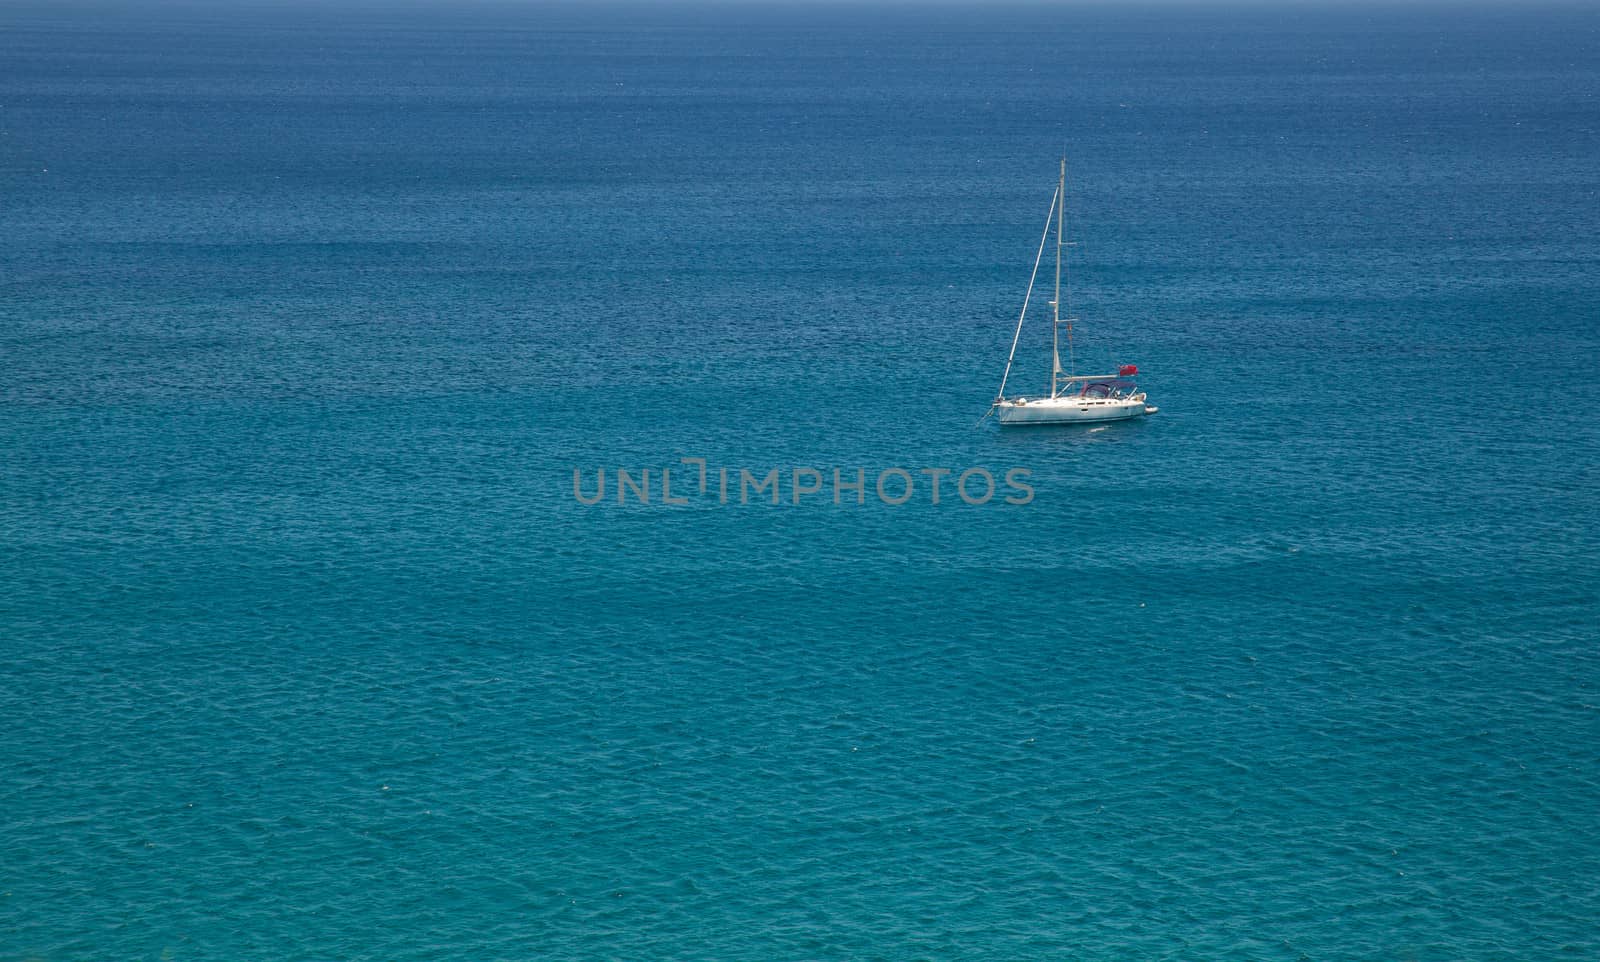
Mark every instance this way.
x=1055 y=305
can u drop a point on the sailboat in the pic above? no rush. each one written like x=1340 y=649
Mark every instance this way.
x=1074 y=398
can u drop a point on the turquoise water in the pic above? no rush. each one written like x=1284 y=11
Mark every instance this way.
x=308 y=316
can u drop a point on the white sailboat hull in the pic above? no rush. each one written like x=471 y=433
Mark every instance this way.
x=1069 y=409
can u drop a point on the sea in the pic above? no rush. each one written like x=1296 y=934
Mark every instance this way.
x=323 y=324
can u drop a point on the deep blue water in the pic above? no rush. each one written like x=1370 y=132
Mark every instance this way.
x=308 y=315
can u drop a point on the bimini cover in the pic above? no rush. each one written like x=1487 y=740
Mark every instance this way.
x=1111 y=388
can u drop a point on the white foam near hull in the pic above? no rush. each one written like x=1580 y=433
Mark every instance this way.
x=1071 y=410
